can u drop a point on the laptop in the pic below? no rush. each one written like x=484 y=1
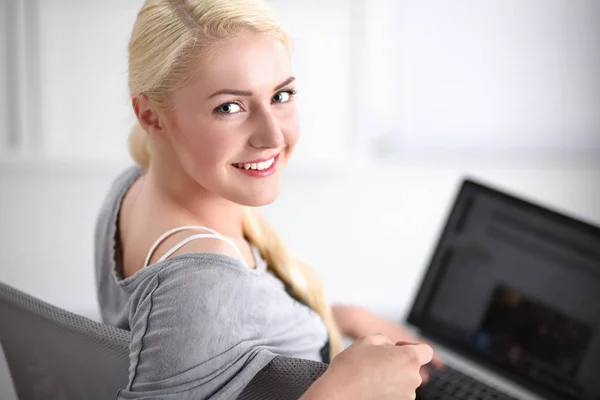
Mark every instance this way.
x=511 y=301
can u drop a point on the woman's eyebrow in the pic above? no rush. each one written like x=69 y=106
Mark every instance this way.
x=284 y=83
x=249 y=93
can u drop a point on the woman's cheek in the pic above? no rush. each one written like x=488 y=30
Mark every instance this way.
x=220 y=148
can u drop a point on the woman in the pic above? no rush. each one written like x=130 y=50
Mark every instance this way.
x=183 y=259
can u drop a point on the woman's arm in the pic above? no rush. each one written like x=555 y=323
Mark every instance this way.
x=356 y=322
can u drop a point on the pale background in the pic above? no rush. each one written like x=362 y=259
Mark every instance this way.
x=399 y=100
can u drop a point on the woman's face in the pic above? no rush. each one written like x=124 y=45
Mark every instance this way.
x=234 y=128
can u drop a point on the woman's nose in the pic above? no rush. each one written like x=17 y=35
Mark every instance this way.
x=267 y=132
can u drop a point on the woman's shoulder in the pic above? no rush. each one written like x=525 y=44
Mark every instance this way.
x=195 y=273
x=195 y=316
x=188 y=289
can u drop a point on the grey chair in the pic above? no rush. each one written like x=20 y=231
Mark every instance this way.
x=54 y=354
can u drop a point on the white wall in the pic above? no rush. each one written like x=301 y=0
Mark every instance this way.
x=367 y=229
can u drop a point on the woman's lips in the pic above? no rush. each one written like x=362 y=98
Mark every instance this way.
x=258 y=168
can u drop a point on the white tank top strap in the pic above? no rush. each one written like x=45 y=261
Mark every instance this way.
x=213 y=235
x=200 y=236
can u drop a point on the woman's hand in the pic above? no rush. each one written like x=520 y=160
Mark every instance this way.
x=356 y=322
x=373 y=367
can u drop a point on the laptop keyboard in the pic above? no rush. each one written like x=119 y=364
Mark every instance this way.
x=449 y=384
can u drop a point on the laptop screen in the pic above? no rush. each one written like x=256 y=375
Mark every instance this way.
x=516 y=287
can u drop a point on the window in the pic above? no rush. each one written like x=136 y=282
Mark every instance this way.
x=495 y=75
x=4 y=73
x=5 y=89
x=85 y=109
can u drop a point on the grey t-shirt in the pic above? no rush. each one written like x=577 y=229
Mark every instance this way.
x=202 y=324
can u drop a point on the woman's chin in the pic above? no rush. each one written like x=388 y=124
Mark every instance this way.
x=261 y=199
x=254 y=198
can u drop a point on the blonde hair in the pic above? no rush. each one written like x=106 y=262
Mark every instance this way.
x=170 y=40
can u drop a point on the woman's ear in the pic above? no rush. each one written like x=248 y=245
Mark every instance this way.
x=147 y=115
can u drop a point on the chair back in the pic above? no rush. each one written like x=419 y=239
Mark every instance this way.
x=54 y=354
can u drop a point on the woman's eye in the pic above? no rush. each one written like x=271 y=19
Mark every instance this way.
x=228 y=108
x=283 y=97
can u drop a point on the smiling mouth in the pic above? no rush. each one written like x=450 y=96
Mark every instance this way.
x=260 y=166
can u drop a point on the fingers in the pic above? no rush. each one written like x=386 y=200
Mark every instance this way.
x=377 y=339
x=437 y=362
x=402 y=343
x=423 y=353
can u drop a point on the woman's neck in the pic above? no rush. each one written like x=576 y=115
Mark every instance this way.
x=191 y=204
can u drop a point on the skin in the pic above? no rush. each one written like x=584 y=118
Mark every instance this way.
x=192 y=179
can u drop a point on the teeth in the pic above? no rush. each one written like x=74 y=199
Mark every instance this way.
x=257 y=166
